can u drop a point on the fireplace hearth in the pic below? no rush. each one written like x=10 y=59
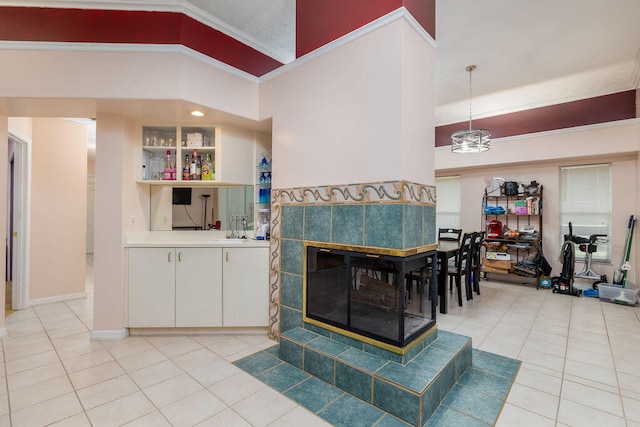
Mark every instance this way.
x=372 y=295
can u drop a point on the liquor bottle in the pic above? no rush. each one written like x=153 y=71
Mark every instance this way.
x=192 y=168
x=185 y=168
x=167 y=167
x=199 y=168
x=206 y=172
x=211 y=166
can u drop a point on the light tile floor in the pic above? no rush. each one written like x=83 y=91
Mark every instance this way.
x=581 y=367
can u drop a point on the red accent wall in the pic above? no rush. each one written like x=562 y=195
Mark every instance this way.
x=319 y=22
x=424 y=11
x=126 y=26
x=601 y=109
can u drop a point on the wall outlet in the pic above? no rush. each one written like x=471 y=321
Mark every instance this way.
x=244 y=220
x=132 y=221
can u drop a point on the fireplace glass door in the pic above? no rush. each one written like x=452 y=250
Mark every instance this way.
x=383 y=297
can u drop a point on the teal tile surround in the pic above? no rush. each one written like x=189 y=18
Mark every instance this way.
x=475 y=399
x=388 y=214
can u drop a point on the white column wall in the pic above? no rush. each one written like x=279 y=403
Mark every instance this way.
x=418 y=107
x=337 y=118
x=117 y=197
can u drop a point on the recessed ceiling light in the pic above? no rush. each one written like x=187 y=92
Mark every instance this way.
x=197 y=113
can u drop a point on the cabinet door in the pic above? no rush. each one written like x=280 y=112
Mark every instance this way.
x=198 y=287
x=235 y=155
x=151 y=287
x=245 y=286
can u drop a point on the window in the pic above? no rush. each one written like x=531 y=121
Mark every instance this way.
x=448 y=202
x=585 y=201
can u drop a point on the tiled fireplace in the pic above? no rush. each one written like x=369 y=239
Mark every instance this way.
x=396 y=216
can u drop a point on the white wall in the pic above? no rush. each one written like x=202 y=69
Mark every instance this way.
x=82 y=77
x=355 y=114
x=539 y=157
x=58 y=208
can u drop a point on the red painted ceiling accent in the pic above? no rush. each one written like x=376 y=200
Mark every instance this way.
x=126 y=26
x=601 y=109
x=319 y=22
x=424 y=11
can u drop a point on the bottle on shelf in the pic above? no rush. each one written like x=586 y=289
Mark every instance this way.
x=206 y=172
x=169 y=170
x=210 y=166
x=199 y=168
x=192 y=167
x=186 y=166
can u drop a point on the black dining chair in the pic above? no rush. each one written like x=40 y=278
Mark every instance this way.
x=452 y=234
x=476 y=267
x=460 y=267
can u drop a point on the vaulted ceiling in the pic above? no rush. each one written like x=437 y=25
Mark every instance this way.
x=528 y=53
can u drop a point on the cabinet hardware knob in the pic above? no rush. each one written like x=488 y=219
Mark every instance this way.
x=169 y=257
x=227 y=254
x=180 y=256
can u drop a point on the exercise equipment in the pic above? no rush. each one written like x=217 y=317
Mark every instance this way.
x=588 y=246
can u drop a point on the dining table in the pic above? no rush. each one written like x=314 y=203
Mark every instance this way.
x=446 y=249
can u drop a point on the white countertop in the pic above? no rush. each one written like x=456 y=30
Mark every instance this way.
x=190 y=239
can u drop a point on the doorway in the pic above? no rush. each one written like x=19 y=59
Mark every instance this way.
x=18 y=224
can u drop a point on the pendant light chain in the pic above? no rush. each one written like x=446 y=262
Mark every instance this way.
x=470 y=69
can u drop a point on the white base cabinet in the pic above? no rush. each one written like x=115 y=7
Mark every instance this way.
x=198 y=287
x=246 y=287
x=152 y=287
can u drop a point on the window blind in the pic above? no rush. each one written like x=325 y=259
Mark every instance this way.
x=585 y=201
x=448 y=202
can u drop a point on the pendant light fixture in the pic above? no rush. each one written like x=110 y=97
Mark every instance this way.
x=471 y=140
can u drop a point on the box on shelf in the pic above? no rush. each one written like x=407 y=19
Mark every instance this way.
x=626 y=296
x=194 y=139
x=498 y=255
x=496 y=266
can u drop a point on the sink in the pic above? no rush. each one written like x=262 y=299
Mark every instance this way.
x=231 y=241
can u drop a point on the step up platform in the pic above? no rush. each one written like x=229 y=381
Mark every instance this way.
x=347 y=387
x=410 y=391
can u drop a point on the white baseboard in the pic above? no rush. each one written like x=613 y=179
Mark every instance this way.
x=113 y=335
x=57 y=298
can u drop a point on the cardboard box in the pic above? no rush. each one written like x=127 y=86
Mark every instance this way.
x=496 y=263
x=498 y=255
x=488 y=269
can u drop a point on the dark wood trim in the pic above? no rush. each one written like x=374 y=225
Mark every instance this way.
x=601 y=109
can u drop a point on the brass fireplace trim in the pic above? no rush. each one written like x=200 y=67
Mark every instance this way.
x=368 y=249
x=380 y=344
x=374 y=252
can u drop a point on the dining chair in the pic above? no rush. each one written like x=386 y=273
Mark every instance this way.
x=460 y=266
x=453 y=234
x=475 y=268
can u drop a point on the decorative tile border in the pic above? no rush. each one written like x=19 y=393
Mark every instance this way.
x=388 y=192
x=385 y=192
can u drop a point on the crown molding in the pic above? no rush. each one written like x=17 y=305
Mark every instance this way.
x=179 y=6
x=128 y=47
